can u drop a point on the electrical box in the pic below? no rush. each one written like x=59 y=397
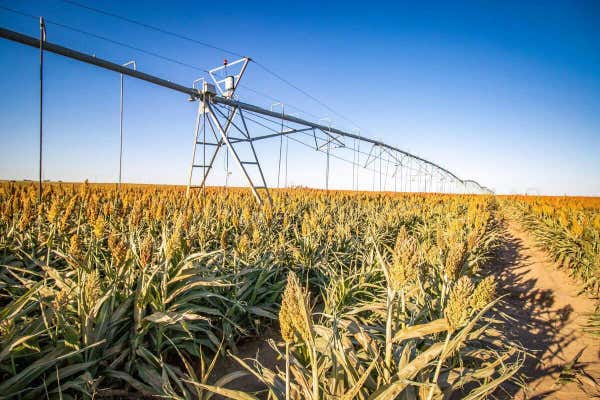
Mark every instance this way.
x=208 y=89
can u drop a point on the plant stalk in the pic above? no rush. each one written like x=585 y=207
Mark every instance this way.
x=287 y=371
x=438 y=367
x=315 y=373
x=388 y=334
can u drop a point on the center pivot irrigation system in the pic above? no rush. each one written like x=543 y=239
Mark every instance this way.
x=222 y=120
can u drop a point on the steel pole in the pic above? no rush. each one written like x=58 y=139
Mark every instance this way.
x=358 y=161
x=279 y=159
x=41 y=121
x=380 y=158
x=287 y=143
x=120 y=131
x=327 y=168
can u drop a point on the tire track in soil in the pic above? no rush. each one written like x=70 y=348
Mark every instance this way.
x=548 y=314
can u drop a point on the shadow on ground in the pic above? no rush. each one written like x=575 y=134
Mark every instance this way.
x=530 y=318
x=253 y=348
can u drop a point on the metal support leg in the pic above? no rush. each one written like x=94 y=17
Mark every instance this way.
x=401 y=180
x=327 y=168
x=262 y=176
x=219 y=143
x=280 y=143
x=287 y=144
x=208 y=167
x=380 y=170
x=233 y=152
x=357 y=159
x=120 y=131
x=194 y=145
x=354 y=162
x=279 y=160
x=121 y=123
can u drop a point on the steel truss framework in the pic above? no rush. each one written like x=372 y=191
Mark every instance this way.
x=236 y=125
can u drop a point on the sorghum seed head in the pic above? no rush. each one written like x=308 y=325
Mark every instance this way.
x=484 y=293
x=455 y=259
x=457 y=309
x=405 y=261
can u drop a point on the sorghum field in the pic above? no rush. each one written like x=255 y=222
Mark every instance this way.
x=139 y=293
x=568 y=229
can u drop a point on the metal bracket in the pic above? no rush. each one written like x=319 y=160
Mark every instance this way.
x=225 y=82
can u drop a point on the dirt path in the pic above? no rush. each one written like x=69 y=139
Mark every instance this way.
x=548 y=315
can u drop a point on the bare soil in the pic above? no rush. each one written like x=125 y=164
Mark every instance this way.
x=548 y=314
x=257 y=349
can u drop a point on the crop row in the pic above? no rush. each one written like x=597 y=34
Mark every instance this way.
x=116 y=294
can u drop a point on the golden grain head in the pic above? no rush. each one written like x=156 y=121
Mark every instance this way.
x=146 y=251
x=404 y=269
x=576 y=228
x=26 y=215
x=286 y=311
x=75 y=247
x=91 y=287
x=455 y=259
x=484 y=293
x=457 y=310
x=223 y=239
x=596 y=222
x=563 y=218
x=243 y=244
x=54 y=211
x=98 y=227
x=174 y=241
x=7 y=327
x=295 y=315
x=256 y=236
x=61 y=299
x=118 y=248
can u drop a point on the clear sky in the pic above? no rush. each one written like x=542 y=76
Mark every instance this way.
x=506 y=93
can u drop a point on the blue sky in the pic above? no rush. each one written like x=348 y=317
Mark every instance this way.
x=506 y=93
